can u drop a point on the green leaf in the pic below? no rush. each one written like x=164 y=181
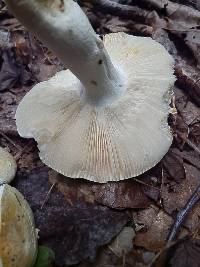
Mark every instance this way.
x=45 y=258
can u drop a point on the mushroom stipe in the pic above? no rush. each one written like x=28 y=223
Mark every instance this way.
x=105 y=118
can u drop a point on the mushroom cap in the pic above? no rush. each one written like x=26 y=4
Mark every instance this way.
x=8 y=166
x=18 y=238
x=104 y=143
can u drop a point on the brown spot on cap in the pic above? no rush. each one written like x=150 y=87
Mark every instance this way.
x=94 y=83
x=62 y=5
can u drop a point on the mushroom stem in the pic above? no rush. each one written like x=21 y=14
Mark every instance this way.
x=65 y=29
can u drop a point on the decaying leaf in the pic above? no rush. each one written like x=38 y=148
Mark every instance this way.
x=155 y=226
x=175 y=196
x=10 y=72
x=74 y=231
x=120 y=195
x=128 y=194
x=123 y=243
x=79 y=217
x=185 y=253
x=173 y=163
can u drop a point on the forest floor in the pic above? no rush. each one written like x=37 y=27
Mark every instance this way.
x=128 y=223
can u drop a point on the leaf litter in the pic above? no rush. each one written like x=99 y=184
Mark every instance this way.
x=80 y=221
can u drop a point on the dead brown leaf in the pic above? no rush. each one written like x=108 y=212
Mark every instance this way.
x=175 y=196
x=173 y=164
x=185 y=253
x=11 y=72
x=120 y=195
x=156 y=224
x=74 y=232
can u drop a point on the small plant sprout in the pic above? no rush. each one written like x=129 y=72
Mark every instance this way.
x=105 y=118
x=8 y=166
x=18 y=236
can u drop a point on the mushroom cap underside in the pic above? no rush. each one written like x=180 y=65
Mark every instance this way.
x=104 y=143
x=18 y=238
x=8 y=166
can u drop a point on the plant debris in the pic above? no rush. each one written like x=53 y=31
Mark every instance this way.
x=80 y=219
x=182 y=254
x=74 y=231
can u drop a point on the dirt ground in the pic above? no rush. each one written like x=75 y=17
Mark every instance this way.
x=127 y=223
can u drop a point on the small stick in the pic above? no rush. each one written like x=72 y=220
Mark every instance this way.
x=47 y=196
x=189 y=84
x=112 y=250
x=190 y=144
x=193 y=146
x=121 y=10
x=124 y=259
x=182 y=214
x=166 y=247
x=11 y=141
x=19 y=154
x=143 y=183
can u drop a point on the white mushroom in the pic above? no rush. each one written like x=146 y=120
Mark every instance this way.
x=18 y=236
x=8 y=166
x=104 y=119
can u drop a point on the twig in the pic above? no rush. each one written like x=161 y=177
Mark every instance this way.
x=190 y=85
x=193 y=146
x=190 y=144
x=47 y=196
x=8 y=130
x=113 y=251
x=116 y=9
x=145 y=184
x=18 y=155
x=11 y=141
x=124 y=259
x=182 y=214
x=161 y=188
x=166 y=247
x=169 y=7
